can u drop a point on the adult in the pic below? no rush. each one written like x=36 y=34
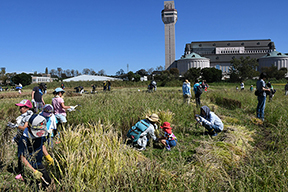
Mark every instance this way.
x=210 y=121
x=109 y=85
x=260 y=86
x=154 y=84
x=198 y=91
x=104 y=86
x=242 y=86
x=37 y=97
x=143 y=130
x=186 y=89
x=286 y=89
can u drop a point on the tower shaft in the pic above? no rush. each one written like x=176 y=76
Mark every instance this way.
x=169 y=18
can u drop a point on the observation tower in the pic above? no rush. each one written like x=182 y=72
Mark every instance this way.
x=169 y=18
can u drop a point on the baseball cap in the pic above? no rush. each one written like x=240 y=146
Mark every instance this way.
x=37 y=125
x=25 y=102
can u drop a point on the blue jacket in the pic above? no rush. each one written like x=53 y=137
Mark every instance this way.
x=186 y=88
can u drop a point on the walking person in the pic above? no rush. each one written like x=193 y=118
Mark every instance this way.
x=186 y=88
x=37 y=97
x=286 y=89
x=260 y=86
x=242 y=86
x=198 y=91
x=109 y=85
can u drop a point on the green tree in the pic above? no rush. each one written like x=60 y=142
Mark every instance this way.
x=192 y=74
x=211 y=74
x=273 y=72
x=130 y=75
x=22 y=78
x=46 y=70
x=137 y=77
x=245 y=68
x=174 y=71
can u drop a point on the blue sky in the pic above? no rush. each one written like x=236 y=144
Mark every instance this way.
x=74 y=34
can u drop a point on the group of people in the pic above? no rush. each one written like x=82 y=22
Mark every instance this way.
x=144 y=130
x=198 y=88
x=37 y=124
x=107 y=85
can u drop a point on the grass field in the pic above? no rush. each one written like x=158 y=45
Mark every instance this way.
x=92 y=156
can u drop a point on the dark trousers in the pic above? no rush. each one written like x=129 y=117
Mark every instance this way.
x=197 y=98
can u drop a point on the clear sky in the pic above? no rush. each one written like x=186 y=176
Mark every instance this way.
x=74 y=34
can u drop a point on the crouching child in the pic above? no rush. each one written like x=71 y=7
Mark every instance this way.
x=30 y=150
x=169 y=139
x=210 y=121
x=143 y=130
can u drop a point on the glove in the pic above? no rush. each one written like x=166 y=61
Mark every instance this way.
x=33 y=102
x=49 y=160
x=72 y=108
x=12 y=125
x=37 y=174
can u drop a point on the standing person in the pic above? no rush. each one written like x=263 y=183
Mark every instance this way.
x=186 y=88
x=37 y=97
x=59 y=107
x=198 y=91
x=260 y=86
x=62 y=85
x=242 y=86
x=93 y=88
x=31 y=150
x=251 y=88
x=168 y=139
x=210 y=121
x=22 y=121
x=104 y=86
x=286 y=89
x=143 y=129
x=109 y=85
x=51 y=125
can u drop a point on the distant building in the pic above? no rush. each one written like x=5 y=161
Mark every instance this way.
x=45 y=78
x=91 y=78
x=192 y=60
x=280 y=60
x=221 y=53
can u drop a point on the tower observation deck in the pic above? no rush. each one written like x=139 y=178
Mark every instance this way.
x=169 y=18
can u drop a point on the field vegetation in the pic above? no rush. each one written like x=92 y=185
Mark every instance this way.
x=92 y=156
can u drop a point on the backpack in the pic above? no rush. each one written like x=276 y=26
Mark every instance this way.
x=135 y=132
x=199 y=90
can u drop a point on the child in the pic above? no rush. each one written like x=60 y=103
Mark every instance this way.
x=58 y=105
x=210 y=121
x=31 y=149
x=168 y=140
x=251 y=88
x=22 y=121
x=51 y=120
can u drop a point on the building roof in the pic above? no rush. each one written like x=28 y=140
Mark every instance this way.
x=274 y=54
x=193 y=56
x=91 y=78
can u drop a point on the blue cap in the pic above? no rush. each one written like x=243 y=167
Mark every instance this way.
x=58 y=89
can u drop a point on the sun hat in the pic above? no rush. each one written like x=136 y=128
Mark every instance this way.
x=153 y=118
x=59 y=89
x=166 y=127
x=26 y=103
x=47 y=110
x=37 y=125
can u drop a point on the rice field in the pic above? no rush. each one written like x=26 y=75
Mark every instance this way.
x=93 y=155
